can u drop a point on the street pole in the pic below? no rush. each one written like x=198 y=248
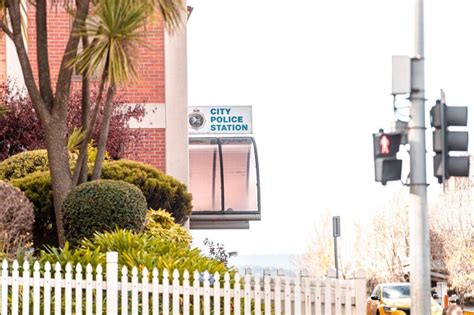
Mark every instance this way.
x=335 y=258
x=336 y=232
x=420 y=264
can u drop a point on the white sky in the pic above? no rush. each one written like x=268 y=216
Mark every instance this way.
x=318 y=74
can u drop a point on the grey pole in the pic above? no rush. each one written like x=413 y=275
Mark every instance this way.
x=336 y=232
x=419 y=241
x=335 y=257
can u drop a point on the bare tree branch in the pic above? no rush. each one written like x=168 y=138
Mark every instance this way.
x=6 y=30
x=63 y=84
x=42 y=53
x=104 y=133
x=15 y=18
x=85 y=109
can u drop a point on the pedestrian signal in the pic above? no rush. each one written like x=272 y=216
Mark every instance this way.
x=387 y=166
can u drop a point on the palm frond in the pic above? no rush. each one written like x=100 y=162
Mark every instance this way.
x=114 y=29
x=173 y=12
x=75 y=140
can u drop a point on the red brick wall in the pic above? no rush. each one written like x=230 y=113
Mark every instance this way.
x=150 y=87
x=149 y=147
x=3 y=54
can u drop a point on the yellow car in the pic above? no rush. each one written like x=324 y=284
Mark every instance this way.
x=394 y=299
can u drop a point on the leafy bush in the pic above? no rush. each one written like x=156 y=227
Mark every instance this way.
x=161 y=191
x=135 y=249
x=28 y=162
x=20 y=129
x=100 y=206
x=37 y=187
x=22 y=164
x=161 y=224
x=16 y=218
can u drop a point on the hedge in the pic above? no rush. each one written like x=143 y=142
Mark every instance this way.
x=100 y=206
x=161 y=192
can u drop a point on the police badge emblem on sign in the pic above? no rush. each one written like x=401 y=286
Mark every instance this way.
x=196 y=119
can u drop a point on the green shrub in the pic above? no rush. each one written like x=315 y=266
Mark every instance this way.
x=161 y=224
x=25 y=163
x=37 y=187
x=161 y=191
x=22 y=164
x=16 y=219
x=135 y=249
x=100 y=206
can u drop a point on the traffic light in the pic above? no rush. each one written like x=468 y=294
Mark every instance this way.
x=446 y=141
x=387 y=166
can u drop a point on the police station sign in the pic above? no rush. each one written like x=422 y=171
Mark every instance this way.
x=220 y=119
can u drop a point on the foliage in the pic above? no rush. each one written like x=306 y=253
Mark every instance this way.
x=161 y=191
x=319 y=256
x=388 y=243
x=102 y=205
x=75 y=139
x=22 y=164
x=28 y=162
x=16 y=218
x=20 y=129
x=161 y=224
x=453 y=220
x=217 y=251
x=113 y=33
x=135 y=249
x=37 y=187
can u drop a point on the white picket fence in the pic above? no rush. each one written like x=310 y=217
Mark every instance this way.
x=56 y=291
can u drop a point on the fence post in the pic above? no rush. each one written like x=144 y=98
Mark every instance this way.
x=112 y=282
x=360 y=286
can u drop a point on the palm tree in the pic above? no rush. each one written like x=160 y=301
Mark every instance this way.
x=114 y=32
x=51 y=104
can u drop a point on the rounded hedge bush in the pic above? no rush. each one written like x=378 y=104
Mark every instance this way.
x=16 y=218
x=161 y=191
x=22 y=164
x=100 y=206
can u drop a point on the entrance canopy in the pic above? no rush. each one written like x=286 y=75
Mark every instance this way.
x=224 y=181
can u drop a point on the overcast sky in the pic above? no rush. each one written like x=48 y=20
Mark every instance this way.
x=318 y=75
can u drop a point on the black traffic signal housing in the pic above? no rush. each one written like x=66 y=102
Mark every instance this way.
x=387 y=166
x=446 y=141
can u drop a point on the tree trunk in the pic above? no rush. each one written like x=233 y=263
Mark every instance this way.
x=58 y=157
x=85 y=104
x=104 y=133
x=90 y=130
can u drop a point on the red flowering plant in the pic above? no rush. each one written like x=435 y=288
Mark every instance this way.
x=20 y=129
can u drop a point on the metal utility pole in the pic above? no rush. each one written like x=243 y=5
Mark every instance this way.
x=336 y=232
x=420 y=264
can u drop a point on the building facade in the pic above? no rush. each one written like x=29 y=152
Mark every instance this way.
x=161 y=86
